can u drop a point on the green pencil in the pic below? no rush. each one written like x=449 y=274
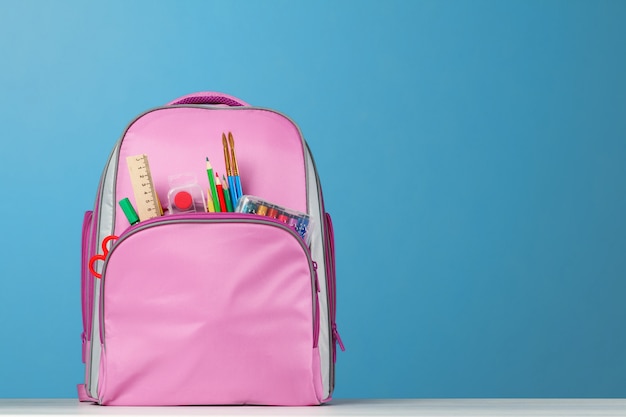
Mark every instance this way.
x=229 y=205
x=209 y=171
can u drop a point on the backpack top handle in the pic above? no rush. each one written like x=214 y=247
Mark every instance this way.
x=209 y=97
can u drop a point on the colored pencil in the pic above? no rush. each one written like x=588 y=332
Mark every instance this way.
x=293 y=222
x=227 y=194
x=209 y=202
x=261 y=210
x=272 y=212
x=220 y=193
x=209 y=171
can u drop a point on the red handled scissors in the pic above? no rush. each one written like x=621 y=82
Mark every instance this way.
x=102 y=257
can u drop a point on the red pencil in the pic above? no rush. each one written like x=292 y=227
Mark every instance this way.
x=220 y=192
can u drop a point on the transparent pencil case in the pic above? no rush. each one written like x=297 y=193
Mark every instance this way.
x=300 y=222
x=185 y=195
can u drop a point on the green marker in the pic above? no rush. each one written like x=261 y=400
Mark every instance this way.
x=129 y=211
x=209 y=171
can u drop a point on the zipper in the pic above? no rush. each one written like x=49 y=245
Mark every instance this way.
x=332 y=294
x=215 y=218
x=85 y=280
x=316 y=320
x=329 y=253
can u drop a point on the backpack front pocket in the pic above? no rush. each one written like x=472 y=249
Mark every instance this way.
x=209 y=309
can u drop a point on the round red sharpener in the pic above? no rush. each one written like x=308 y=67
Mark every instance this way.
x=183 y=200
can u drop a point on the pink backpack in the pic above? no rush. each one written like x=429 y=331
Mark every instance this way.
x=195 y=307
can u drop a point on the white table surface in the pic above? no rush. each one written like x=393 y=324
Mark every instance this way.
x=338 y=407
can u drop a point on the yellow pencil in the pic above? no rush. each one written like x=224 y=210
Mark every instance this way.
x=209 y=202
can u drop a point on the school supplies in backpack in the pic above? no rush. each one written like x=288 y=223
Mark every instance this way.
x=186 y=301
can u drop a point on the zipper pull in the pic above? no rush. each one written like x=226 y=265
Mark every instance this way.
x=317 y=281
x=83 y=336
x=337 y=338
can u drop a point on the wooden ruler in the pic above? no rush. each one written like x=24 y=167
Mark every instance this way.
x=146 y=198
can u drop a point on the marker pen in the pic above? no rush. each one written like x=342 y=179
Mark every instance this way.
x=129 y=211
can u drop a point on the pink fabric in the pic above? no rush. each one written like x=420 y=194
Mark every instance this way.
x=269 y=152
x=209 y=313
x=82 y=394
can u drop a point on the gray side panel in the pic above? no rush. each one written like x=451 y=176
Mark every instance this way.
x=106 y=221
x=317 y=253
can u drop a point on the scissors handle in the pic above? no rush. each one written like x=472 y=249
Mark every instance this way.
x=102 y=257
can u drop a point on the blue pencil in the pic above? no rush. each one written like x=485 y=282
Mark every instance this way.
x=238 y=185
x=233 y=189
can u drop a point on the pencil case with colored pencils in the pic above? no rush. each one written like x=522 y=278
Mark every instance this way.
x=300 y=222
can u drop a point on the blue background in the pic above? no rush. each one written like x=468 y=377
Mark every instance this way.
x=472 y=154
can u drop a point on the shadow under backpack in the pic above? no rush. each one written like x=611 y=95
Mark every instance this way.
x=202 y=308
